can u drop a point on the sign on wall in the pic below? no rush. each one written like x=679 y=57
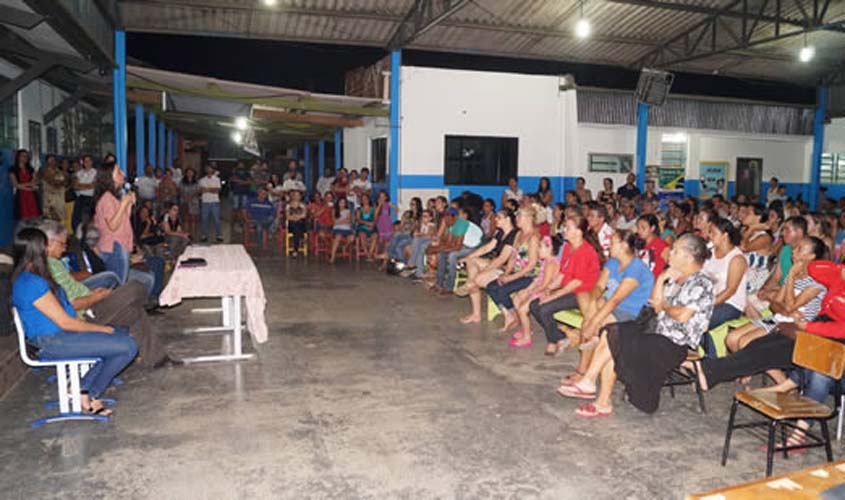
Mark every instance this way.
x=670 y=179
x=712 y=179
x=610 y=163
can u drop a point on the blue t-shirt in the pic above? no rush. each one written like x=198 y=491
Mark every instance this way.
x=260 y=210
x=639 y=296
x=27 y=289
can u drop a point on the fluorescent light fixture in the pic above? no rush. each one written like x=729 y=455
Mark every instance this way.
x=241 y=123
x=807 y=53
x=237 y=137
x=676 y=137
x=582 y=28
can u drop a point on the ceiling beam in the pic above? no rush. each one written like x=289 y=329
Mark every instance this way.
x=19 y=18
x=262 y=113
x=14 y=45
x=66 y=104
x=423 y=15
x=73 y=31
x=710 y=11
x=22 y=80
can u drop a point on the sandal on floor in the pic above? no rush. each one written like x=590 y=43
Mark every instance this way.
x=516 y=343
x=101 y=410
x=568 y=380
x=589 y=410
x=573 y=391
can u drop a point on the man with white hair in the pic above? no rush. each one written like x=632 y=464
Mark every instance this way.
x=123 y=306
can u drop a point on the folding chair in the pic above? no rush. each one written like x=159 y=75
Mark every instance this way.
x=70 y=405
x=784 y=410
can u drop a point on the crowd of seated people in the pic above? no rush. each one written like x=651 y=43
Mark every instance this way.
x=628 y=268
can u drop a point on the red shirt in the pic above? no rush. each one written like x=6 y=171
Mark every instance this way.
x=833 y=305
x=581 y=264
x=652 y=255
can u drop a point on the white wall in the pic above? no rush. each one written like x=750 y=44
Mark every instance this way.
x=356 y=142
x=834 y=136
x=439 y=102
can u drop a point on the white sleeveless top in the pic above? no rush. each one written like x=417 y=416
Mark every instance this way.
x=717 y=269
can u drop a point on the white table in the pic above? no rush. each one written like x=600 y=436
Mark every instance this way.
x=231 y=275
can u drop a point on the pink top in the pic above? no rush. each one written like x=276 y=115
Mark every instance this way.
x=105 y=209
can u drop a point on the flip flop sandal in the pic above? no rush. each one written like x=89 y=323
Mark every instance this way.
x=573 y=391
x=515 y=343
x=590 y=410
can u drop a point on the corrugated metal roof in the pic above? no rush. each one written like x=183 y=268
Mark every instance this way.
x=623 y=33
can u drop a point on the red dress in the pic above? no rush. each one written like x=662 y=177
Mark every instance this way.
x=27 y=202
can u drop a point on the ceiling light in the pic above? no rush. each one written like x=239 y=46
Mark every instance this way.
x=237 y=137
x=241 y=123
x=582 y=28
x=270 y=3
x=807 y=53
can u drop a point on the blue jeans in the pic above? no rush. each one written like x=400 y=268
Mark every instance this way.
x=117 y=261
x=156 y=266
x=210 y=211
x=105 y=279
x=721 y=313
x=396 y=247
x=239 y=201
x=447 y=266
x=116 y=350
x=418 y=247
x=815 y=385
x=262 y=225
x=501 y=294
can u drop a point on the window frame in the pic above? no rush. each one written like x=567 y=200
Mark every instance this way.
x=502 y=174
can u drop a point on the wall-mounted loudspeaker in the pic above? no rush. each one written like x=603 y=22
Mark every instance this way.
x=653 y=87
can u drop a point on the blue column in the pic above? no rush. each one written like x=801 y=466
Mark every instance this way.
x=393 y=162
x=306 y=152
x=338 y=138
x=642 y=142
x=140 y=160
x=818 y=147
x=162 y=142
x=151 y=133
x=119 y=98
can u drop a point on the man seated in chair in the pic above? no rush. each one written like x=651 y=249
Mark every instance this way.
x=262 y=213
x=123 y=306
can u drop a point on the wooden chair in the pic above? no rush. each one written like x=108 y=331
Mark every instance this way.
x=784 y=410
x=288 y=242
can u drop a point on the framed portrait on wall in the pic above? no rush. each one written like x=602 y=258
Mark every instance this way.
x=610 y=163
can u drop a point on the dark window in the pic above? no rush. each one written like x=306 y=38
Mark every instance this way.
x=378 y=159
x=480 y=160
x=35 y=148
x=52 y=140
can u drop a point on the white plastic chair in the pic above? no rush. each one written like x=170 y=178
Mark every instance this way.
x=70 y=404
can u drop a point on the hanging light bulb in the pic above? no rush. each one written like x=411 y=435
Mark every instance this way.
x=582 y=27
x=270 y=3
x=807 y=51
x=237 y=137
x=241 y=123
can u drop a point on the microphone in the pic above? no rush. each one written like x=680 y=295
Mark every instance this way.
x=127 y=188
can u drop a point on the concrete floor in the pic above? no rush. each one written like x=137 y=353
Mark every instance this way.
x=368 y=388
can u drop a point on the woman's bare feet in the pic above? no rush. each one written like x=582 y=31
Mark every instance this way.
x=470 y=318
x=572 y=378
x=94 y=406
x=510 y=322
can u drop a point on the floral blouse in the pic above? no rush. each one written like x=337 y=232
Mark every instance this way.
x=697 y=293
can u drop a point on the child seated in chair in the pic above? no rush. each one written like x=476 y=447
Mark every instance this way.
x=296 y=213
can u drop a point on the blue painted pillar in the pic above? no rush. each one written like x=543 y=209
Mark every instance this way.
x=642 y=142
x=140 y=159
x=393 y=162
x=338 y=138
x=306 y=152
x=818 y=147
x=119 y=99
x=162 y=142
x=151 y=149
